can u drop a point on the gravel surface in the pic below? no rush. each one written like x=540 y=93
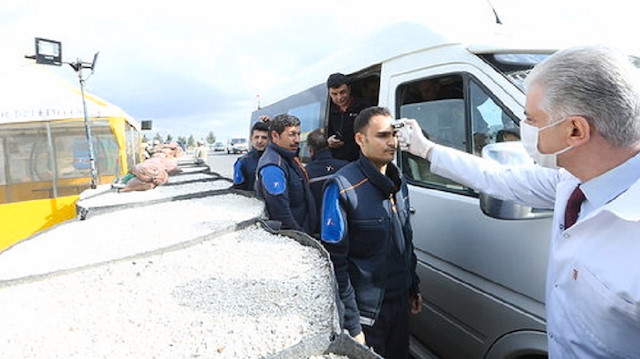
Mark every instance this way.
x=192 y=169
x=124 y=233
x=246 y=294
x=191 y=177
x=107 y=197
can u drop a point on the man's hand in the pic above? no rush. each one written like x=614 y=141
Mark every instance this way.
x=360 y=338
x=264 y=118
x=333 y=142
x=416 y=304
x=412 y=140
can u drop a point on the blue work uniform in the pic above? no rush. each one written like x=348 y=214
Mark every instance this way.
x=366 y=229
x=244 y=170
x=284 y=185
x=321 y=167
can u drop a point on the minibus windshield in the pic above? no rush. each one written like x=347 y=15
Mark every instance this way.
x=517 y=66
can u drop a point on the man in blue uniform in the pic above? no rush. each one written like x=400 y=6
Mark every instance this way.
x=322 y=164
x=343 y=110
x=366 y=229
x=244 y=170
x=282 y=180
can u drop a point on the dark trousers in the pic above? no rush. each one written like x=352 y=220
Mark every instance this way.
x=389 y=335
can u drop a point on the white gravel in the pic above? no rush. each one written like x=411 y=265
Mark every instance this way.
x=190 y=169
x=243 y=295
x=124 y=233
x=192 y=176
x=108 y=197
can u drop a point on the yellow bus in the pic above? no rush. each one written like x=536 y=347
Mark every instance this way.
x=44 y=156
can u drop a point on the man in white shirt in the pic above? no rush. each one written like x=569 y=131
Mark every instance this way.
x=583 y=117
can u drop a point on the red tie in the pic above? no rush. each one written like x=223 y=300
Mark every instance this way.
x=573 y=207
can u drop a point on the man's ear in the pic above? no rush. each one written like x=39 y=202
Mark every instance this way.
x=359 y=137
x=274 y=135
x=580 y=130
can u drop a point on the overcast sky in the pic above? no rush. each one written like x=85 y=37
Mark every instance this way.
x=194 y=66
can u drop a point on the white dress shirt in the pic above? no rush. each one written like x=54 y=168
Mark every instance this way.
x=593 y=278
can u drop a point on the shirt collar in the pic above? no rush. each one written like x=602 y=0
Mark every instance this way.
x=610 y=185
x=285 y=153
x=323 y=154
x=389 y=183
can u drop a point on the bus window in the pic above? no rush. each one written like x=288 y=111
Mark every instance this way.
x=19 y=175
x=308 y=116
x=489 y=122
x=72 y=152
x=449 y=118
x=367 y=88
x=51 y=159
x=438 y=106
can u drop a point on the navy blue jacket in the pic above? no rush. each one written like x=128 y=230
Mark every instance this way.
x=366 y=229
x=322 y=166
x=244 y=170
x=342 y=122
x=284 y=186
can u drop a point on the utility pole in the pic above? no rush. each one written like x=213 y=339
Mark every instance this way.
x=49 y=52
x=78 y=66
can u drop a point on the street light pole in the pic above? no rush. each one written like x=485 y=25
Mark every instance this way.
x=49 y=52
x=87 y=126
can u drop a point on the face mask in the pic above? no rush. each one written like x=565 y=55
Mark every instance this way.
x=529 y=135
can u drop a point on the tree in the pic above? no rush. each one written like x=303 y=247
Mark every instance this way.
x=182 y=139
x=211 y=138
x=157 y=137
x=191 y=142
x=169 y=138
x=144 y=138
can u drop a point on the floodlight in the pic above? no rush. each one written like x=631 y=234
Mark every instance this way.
x=48 y=52
x=146 y=125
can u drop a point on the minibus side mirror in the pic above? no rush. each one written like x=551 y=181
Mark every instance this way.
x=507 y=153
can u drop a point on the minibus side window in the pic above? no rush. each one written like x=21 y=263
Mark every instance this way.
x=442 y=111
x=438 y=106
x=489 y=122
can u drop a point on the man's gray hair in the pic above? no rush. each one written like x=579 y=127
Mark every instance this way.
x=596 y=82
x=280 y=122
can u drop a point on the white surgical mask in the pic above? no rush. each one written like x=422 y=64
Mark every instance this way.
x=529 y=136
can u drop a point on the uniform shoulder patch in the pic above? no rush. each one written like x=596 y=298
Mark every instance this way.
x=273 y=180
x=238 y=177
x=333 y=226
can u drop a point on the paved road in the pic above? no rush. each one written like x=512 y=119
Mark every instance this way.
x=222 y=163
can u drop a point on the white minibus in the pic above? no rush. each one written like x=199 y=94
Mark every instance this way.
x=482 y=262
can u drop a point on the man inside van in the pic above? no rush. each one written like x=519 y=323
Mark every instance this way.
x=582 y=127
x=366 y=229
x=342 y=112
x=244 y=170
x=282 y=180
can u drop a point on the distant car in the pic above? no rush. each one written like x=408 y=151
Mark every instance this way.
x=238 y=145
x=218 y=146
